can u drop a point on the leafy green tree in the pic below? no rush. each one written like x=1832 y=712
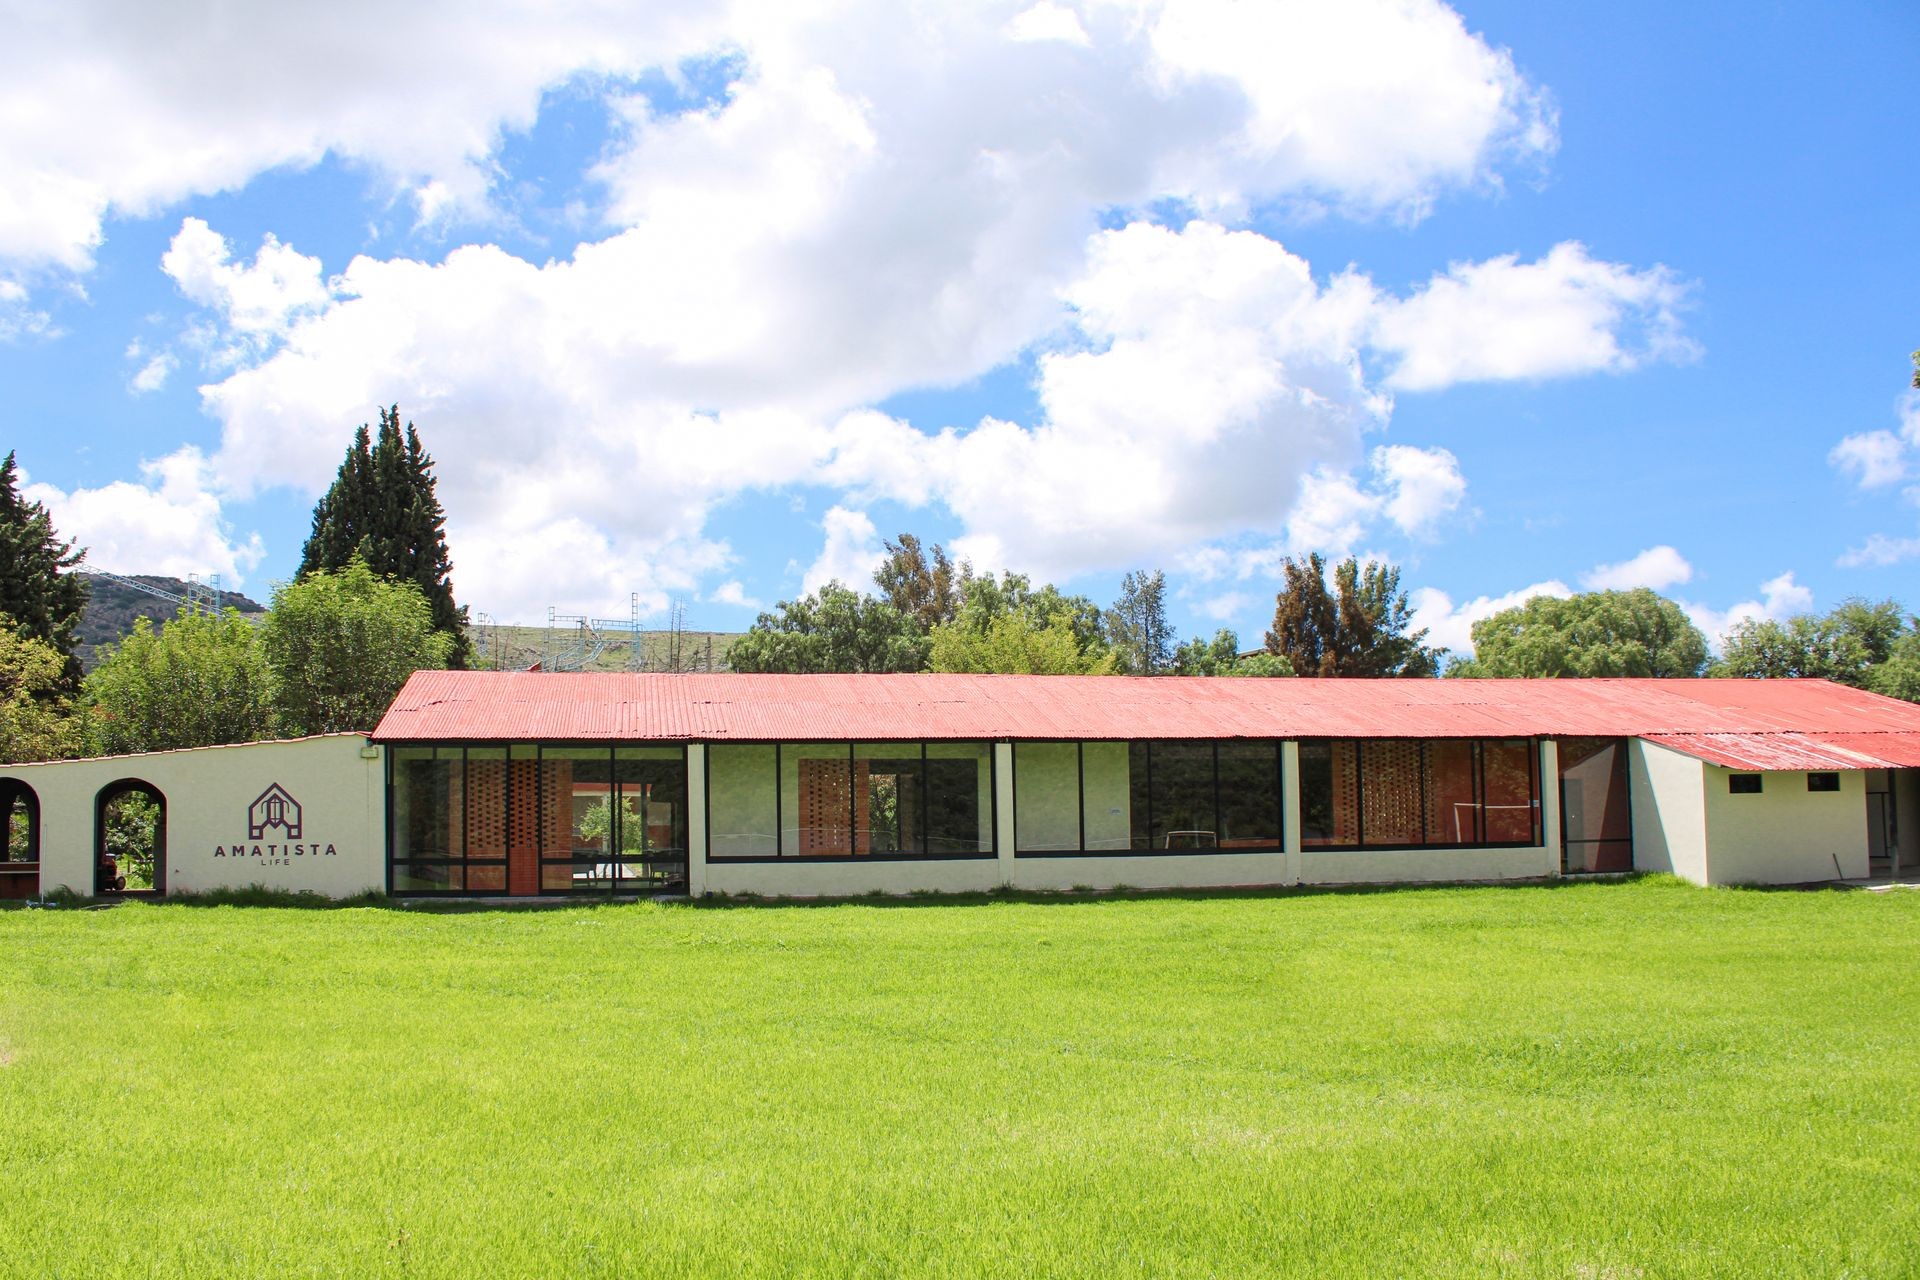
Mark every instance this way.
x=382 y=507
x=1899 y=675
x=1221 y=657
x=1018 y=643
x=1137 y=625
x=39 y=591
x=341 y=644
x=596 y=824
x=36 y=719
x=1596 y=633
x=196 y=681
x=1847 y=644
x=132 y=836
x=1358 y=627
x=1007 y=625
x=925 y=585
x=831 y=630
x=986 y=598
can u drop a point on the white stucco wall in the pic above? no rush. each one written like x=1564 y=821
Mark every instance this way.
x=1786 y=834
x=341 y=849
x=1669 y=811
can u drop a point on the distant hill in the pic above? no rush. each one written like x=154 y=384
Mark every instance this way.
x=113 y=606
x=511 y=648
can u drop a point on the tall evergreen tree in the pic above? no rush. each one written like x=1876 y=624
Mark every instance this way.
x=1138 y=625
x=382 y=508
x=39 y=591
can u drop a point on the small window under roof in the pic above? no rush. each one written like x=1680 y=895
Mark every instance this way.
x=1743 y=784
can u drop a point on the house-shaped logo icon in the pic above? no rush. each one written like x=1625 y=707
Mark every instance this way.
x=274 y=808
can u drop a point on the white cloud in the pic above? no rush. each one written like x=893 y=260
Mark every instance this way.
x=1880 y=460
x=733 y=593
x=1881 y=550
x=1874 y=459
x=1780 y=598
x=1423 y=486
x=1225 y=607
x=154 y=373
x=256 y=302
x=1451 y=626
x=115 y=108
x=1503 y=319
x=17 y=318
x=112 y=108
x=1370 y=104
x=886 y=197
x=1047 y=21
x=1656 y=568
x=170 y=524
x=851 y=553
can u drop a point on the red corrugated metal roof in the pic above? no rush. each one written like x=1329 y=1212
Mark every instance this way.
x=441 y=706
x=1796 y=751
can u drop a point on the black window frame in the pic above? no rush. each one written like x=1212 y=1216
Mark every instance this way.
x=781 y=857
x=510 y=749
x=1080 y=746
x=1829 y=781
x=1745 y=784
x=1536 y=805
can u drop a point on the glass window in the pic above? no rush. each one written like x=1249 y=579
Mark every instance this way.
x=816 y=800
x=1181 y=792
x=1404 y=793
x=839 y=800
x=648 y=835
x=1119 y=797
x=425 y=782
x=1329 y=794
x=1106 y=772
x=482 y=806
x=889 y=799
x=1506 y=786
x=1390 y=803
x=1046 y=796
x=1743 y=784
x=959 y=798
x=428 y=877
x=1823 y=782
x=743 y=801
x=1596 y=822
x=577 y=784
x=1249 y=795
x=1452 y=798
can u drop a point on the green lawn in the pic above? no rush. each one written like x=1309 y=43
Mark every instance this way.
x=1603 y=1080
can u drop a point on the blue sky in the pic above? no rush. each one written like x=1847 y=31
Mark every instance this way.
x=704 y=303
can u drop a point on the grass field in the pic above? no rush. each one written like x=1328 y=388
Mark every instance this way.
x=1601 y=1080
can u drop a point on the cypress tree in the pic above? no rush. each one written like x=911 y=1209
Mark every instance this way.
x=382 y=507
x=38 y=590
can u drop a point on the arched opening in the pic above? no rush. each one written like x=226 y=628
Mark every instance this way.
x=130 y=838
x=20 y=855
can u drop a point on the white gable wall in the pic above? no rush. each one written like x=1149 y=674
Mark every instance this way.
x=341 y=849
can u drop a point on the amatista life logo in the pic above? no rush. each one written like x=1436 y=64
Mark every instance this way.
x=275 y=828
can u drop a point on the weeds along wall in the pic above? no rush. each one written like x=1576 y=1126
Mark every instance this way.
x=302 y=815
